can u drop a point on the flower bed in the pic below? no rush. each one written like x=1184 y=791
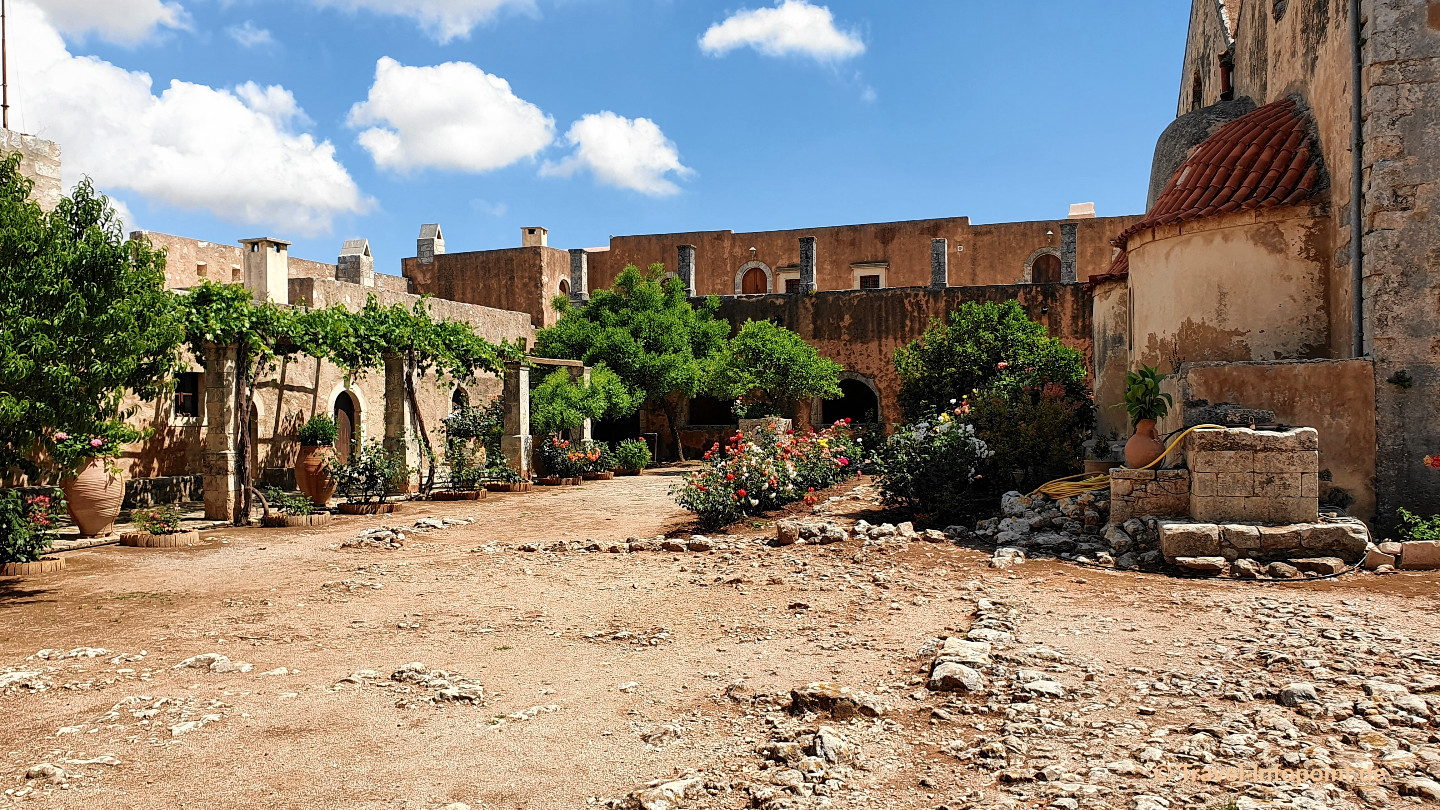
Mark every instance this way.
x=765 y=471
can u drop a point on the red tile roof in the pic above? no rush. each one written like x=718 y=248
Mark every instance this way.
x=1265 y=159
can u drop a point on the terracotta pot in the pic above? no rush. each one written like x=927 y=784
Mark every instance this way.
x=93 y=498
x=1143 y=447
x=295 y=521
x=45 y=565
x=549 y=480
x=458 y=495
x=500 y=486
x=366 y=508
x=600 y=476
x=148 y=540
x=312 y=474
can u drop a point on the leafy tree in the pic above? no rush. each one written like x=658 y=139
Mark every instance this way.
x=84 y=319
x=983 y=346
x=769 y=365
x=647 y=332
x=560 y=402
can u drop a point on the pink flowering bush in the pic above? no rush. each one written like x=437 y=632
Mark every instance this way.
x=103 y=441
x=28 y=524
x=765 y=471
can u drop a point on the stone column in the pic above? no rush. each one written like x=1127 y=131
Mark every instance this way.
x=220 y=466
x=397 y=410
x=939 y=264
x=579 y=276
x=807 y=264
x=515 y=444
x=1069 y=238
x=686 y=269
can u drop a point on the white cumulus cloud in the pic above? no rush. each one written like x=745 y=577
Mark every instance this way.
x=249 y=36
x=791 y=27
x=126 y=22
x=444 y=20
x=234 y=153
x=450 y=116
x=631 y=154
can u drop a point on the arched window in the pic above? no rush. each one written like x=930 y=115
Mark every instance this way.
x=459 y=399
x=755 y=282
x=347 y=421
x=1046 y=269
x=564 y=286
x=857 y=403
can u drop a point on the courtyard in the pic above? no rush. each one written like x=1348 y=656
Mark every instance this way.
x=500 y=663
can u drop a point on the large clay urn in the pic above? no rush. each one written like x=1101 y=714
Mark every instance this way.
x=1143 y=447
x=93 y=497
x=312 y=474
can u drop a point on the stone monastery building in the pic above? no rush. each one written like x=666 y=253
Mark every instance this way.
x=1288 y=260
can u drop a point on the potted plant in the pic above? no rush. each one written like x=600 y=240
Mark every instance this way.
x=561 y=460
x=598 y=463
x=95 y=487
x=312 y=466
x=500 y=478
x=370 y=475
x=158 y=527
x=1101 y=456
x=27 y=531
x=291 y=510
x=632 y=456
x=1146 y=404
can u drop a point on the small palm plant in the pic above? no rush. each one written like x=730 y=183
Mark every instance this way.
x=1143 y=397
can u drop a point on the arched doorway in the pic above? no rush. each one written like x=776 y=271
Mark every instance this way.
x=754 y=282
x=347 y=415
x=459 y=399
x=1046 y=269
x=857 y=403
x=564 y=287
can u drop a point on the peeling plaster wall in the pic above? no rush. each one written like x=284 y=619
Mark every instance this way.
x=1111 y=328
x=1243 y=286
x=1336 y=397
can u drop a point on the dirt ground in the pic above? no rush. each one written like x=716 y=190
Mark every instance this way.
x=600 y=671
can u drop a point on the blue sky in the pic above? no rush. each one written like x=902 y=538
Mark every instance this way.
x=805 y=113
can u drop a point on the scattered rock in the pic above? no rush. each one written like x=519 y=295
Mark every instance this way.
x=213 y=662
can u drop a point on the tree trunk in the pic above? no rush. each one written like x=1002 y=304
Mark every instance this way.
x=672 y=415
x=244 y=394
x=428 y=480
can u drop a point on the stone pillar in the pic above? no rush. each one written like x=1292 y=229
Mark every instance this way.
x=579 y=276
x=1069 y=239
x=220 y=467
x=580 y=375
x=939 y=264
x=807 y=264
x=515 y=444
x=397 y=411
x=686 y=269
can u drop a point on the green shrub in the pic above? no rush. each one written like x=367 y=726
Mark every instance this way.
x=1035 y=435
x=1414 y=527
x=1143 y=399
x=562 y=457
x=371 y=473
x=768 y=370
x=163 y=519
x=288 y=503
x=930 y=466
x=983 y=347
x=27 y=524
x=599 y=458
x=633 y=454
x=319 y=431
x=502 y=473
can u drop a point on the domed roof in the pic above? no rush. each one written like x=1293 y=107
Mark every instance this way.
x=1266 y=159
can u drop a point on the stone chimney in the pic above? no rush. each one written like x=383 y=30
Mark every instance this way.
x=265 y=266
x=579 y=275
x=807 y=265
x=430 y=244
x=685 y=268
x=534 y=237
x=939 y=264
x=356 y=265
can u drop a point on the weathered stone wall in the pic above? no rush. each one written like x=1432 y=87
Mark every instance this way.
x=523 y=279
x=1148 y=493
x=860 y=330
x=1336 y=397
x=992 y=254
x=1402 y=248
x=1111 y=339
x=189 y=261
x=1241 y=475
x=1242 y=286
x=39 y=161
